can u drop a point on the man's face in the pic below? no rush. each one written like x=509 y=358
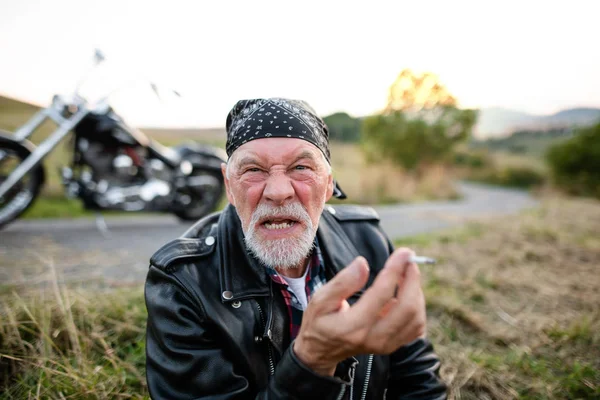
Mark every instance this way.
x=279 y=187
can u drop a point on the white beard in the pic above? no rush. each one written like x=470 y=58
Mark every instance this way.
x=281 y=253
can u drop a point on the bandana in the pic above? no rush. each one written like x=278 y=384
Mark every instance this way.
x=276 y=117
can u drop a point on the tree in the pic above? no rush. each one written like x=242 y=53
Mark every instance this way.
x=343 y=127
x=420 y=124
x=412 y=93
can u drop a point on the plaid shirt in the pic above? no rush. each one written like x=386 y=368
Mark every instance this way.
x=315 y=278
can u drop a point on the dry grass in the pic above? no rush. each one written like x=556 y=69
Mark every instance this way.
x=69 y=343
x=384 y=182
x=513 y=304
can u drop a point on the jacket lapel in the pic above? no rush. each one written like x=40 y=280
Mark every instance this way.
x=241 y=276
x=337 y=248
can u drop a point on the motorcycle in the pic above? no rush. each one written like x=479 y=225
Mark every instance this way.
x=114 y=166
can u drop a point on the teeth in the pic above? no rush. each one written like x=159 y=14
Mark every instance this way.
x=283 y=225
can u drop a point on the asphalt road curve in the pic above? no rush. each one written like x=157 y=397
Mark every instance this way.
x=34 y=251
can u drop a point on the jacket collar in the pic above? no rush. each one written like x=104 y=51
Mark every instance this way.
x=242 y=276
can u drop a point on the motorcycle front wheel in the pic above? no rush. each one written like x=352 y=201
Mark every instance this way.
x=18 y=199
x=201 y=196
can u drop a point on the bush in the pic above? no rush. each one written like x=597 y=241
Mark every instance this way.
x=575 y=164
x=471 y=159
x=415 y=141
x=511 y=176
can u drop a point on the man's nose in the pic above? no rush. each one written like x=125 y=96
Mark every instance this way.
x=279 y=188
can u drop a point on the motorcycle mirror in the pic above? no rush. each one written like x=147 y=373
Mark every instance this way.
x=99 y=56
x=155 y=89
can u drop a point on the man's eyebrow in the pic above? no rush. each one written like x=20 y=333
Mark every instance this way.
x=306 y=154
x=247 y=160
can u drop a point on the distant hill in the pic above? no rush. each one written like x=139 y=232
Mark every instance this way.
x=526 y=142
x=14 y=113
x=498 y=122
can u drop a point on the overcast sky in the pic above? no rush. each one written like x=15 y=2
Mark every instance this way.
x=534 y=56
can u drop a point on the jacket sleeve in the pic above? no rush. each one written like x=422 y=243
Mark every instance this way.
x=414 y=370
x=184 y=359
x=414 y=373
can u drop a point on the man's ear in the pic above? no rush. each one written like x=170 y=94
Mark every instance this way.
x=227 y=187
x=329 y=192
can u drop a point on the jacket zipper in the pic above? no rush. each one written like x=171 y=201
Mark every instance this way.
x=341 y=396
x=268 y=338
x=367 y=377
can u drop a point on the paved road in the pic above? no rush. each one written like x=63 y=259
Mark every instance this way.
x=31 y=250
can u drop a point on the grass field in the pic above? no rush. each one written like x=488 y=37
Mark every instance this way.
x=512 y=306
x=513 y=303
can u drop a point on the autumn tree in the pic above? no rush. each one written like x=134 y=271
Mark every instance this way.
x=411 y=92
x=420 y=125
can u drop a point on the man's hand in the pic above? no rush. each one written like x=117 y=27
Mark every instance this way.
x=378 y=322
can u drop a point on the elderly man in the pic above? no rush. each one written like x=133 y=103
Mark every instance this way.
x=280 y=296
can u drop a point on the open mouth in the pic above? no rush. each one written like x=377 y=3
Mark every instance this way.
x=278 y=223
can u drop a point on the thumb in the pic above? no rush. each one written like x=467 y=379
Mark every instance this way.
x=348 y=281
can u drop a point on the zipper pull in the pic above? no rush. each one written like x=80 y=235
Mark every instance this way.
x=267 y=335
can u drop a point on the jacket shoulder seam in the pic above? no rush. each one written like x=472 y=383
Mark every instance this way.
x=169 y=255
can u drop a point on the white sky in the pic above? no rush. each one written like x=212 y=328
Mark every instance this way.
x=535 y=56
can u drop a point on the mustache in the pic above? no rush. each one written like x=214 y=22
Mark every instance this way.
x=292 y=210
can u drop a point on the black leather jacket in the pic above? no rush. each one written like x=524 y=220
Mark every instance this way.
x=219 y=329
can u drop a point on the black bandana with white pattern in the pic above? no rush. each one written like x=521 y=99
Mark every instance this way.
x=277 y=117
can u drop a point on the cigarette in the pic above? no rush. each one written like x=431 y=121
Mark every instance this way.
x=422 y=260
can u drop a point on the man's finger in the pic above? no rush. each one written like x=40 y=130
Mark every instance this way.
x=347 y=282
x=403 y=255
x=368 y=308
x=410 y=286
x=409 y=306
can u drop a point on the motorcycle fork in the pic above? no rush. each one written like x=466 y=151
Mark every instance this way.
x=32 y=161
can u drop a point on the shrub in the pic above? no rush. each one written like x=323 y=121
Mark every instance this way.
x=420 y=140
x=471 y=159
x=511 y=176
x=575 y=164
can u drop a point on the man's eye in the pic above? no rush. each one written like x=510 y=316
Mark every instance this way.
x=252 y=170
x=301 y=167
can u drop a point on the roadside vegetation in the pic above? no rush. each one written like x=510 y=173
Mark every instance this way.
x=513 y=303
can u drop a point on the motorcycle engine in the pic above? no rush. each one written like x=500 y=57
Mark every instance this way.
x=111 y=164
x=124 y=177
